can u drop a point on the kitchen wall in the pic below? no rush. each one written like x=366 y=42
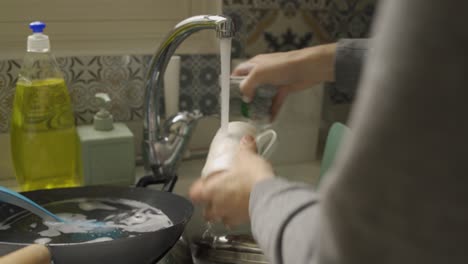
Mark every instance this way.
x=104 y=27
x=283 y=25
x=264 y=26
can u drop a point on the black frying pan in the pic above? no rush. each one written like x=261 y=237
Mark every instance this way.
x=145 y=248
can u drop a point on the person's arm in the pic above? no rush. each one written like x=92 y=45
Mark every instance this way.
x=284 y=218
x=337 y=64
x=287 y=71
x=33 y=254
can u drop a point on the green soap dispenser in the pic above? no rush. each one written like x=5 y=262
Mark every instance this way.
x=107 y=149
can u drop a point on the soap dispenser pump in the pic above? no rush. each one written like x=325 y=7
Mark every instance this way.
x=107 y=149
x=103 y=120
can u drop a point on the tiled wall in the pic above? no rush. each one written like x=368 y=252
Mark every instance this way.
x=283 y=25
x=264 y=26
x=122 y=77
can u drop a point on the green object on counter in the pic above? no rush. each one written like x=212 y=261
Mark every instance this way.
x=334 y=138
x=259 y=107
x=245 y=110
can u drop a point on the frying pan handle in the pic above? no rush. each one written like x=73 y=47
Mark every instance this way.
x=168 y=182
x=168 y=185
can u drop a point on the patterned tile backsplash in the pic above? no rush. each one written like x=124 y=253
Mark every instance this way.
x=264 y=26
x=122 y=77
x=283 y=25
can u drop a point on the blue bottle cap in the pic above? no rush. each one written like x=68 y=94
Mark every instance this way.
x=37 y=26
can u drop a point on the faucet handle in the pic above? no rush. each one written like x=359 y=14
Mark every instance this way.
x=187 y=116
x=182 y=122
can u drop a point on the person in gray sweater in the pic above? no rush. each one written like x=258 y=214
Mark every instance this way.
x=397 y=192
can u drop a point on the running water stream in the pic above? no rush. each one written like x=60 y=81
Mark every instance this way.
x=225 y=54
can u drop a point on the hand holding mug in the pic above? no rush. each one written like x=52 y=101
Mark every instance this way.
x=231 y=171
x=225 y=145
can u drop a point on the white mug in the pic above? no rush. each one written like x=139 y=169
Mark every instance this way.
x=224 y=146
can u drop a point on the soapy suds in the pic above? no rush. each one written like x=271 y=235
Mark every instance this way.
x=75 y=223
x=43 y=241
x=89 y=206
x=101 y=239
x=88 y=220
x=50 y=233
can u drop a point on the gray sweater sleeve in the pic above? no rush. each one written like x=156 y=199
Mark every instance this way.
x=349 y=59
x=280 y=212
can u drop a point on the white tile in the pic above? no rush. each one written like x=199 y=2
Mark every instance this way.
x=298 y=127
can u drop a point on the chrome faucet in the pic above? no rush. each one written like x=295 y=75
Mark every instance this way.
x=164 y=143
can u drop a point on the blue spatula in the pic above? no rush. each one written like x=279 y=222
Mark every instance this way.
x=99 y=229
x=12 y=197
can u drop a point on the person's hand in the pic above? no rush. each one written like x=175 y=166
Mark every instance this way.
x=289 y=71
x=33 y=254
x=226 y=194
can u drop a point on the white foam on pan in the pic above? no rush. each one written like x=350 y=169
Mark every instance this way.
x=101 y=239
x=142 y=218
x=42 y=240
x=50 y=233
x=127 y=216
x=94 y=205
x=74 y=223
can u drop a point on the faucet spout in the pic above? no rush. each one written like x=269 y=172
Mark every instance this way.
x=164 y=145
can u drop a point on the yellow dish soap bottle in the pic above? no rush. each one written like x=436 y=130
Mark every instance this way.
x=43 y=134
